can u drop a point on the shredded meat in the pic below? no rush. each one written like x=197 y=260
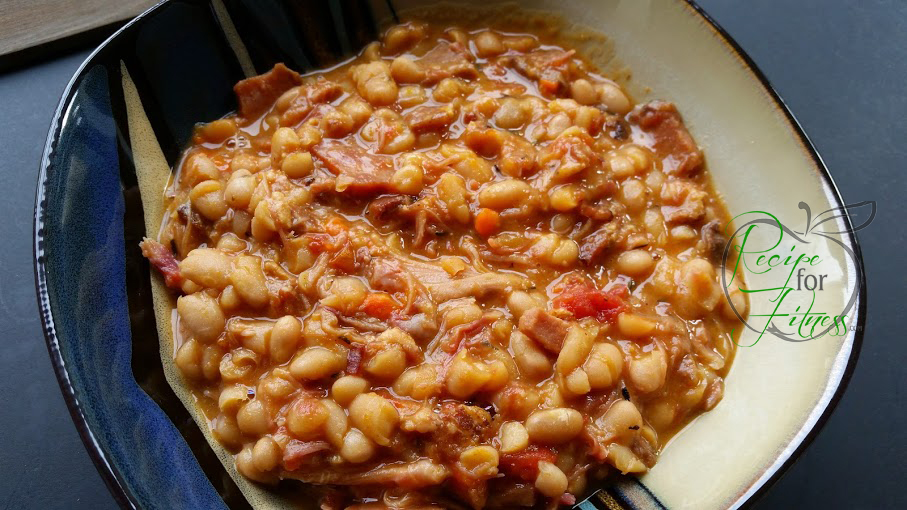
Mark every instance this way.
x=406 y=475
x=673 y=143
x=387 y=274
x=430 y=275
x=163 y=260
x=311 y=100
x=549 y=67
x=297 y=452
x=423 y=216
x=684 y=201
x=476 y=286
x=544 y=328
x=597 y=212
x=391 y=275
x=256 y=94
x=382 y=208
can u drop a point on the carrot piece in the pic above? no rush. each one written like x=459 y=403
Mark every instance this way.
x=487 y=222
x=379 y=305
x=335 y=226
x=548 y=87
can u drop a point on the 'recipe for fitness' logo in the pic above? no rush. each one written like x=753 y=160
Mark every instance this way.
x=786 y=272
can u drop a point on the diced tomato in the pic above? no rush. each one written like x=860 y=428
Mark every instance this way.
x=584 y=300
x=525 y=464
x=379 y=305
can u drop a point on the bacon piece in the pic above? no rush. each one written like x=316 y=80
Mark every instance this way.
x=599 y=242
x=381 y=208
x=584 y=300
x=163 y=260
x=446 y=60
x=525 y=464
x=256 y=94
x=548 y=67
x=597 y=212
x=297 y=451
x=544 y=328
x=422 y=216
x=354 y=359
x=462 y=334
x=357 y=170
x=431 y=118
x=673 y=143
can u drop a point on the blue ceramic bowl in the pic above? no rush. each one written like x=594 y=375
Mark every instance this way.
x=93 y=284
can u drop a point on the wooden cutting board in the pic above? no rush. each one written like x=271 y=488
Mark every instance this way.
x=28 y=23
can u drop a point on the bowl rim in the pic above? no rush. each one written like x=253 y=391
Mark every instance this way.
x=814 y=422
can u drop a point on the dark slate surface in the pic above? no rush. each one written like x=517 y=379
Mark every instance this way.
x=841 y=67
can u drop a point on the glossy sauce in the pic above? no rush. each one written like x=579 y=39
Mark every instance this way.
x=462 y=267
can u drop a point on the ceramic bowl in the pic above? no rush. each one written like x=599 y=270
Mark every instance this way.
x=184 y=57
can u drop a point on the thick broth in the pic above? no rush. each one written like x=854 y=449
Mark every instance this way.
x=463 y=266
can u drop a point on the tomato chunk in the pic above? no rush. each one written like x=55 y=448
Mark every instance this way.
x=584 y=300
x=525 y=464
